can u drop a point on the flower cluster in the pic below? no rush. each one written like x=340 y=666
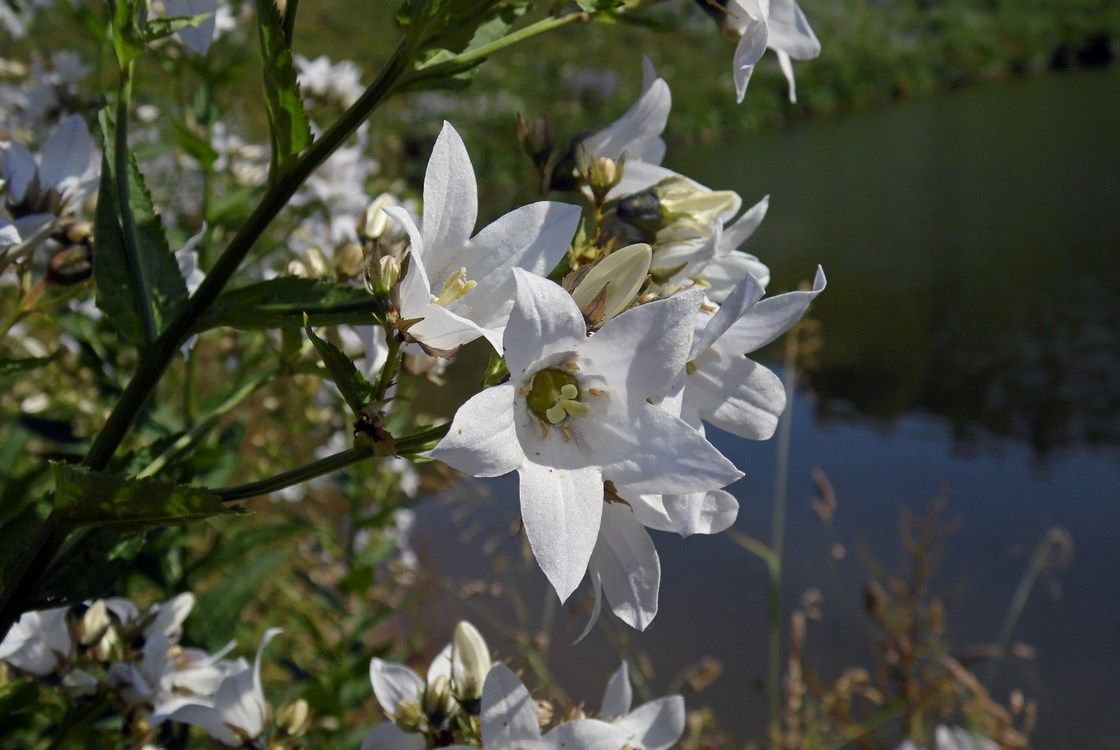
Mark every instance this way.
x=136 y=660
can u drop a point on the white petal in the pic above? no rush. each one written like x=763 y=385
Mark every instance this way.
x=618 y=695
x=67 y=153
x=394 y=684
x=533 y=237
x=638 y=176
x=770 y=318
x=561 y=509
x=597 y=606
x=388 y=736
x=669 y=458
x=787 y=70
x=441 y=665
x=739 y=232
x=586 y=734
x=482 y=440
x=741 y=299
x=18 y=167
x=751 y=47
x=509 y=717
x=187 y=711
x=240 y=698
x=450 y=195
x=737 y=395
x=638 y=132
x=646 y=347
x=702 y=513
x=656 y=725
x=627 y=563
x=167 y=618
x=544 y=320
x=726 y=271
x=790 y=32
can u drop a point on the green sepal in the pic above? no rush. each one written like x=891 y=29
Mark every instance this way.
x=87 y=498
x=288 y=122
x=352 y=384
x=282 y=302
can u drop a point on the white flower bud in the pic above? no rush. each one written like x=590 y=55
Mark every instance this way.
x=348 y=259
x=373 y=222
x=470 y=661
x=682 y=199
x=612 y=283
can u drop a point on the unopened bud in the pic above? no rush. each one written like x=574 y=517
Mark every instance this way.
x=95 y=622
x=536 y=140
x=602 y=174
x=373 y=222
x=348 y=259
x=470 y=661
x=383 y=274
x=293 y=718
x=682 y=199
x=79 y=683
x=409 y=716
x=438 y=699
x=612 y=283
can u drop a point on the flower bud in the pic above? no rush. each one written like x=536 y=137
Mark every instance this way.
x=95 y=622
x=612 y=283
x=536 y=140
x=348 y=259
x=684 y=200
x=373 y=222
x=78 y=683
x=470 y=661
x=383 y=274
x=602 y=174
x=293 y=718
x=438 y=699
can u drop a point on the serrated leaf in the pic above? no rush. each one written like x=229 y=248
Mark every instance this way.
x=282 y=302
x=289 y=125
x=443 y=24
x=194 y=144
x=492 y=26
x=88 y=498
x=116 y=295
x=88 y=567
x=161 y=28
x=127 y=42
x=352 y=384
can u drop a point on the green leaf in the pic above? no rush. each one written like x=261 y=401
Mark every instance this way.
x=87 y=498
x=283 y=302
x=194 y=144
x=595 y=6
x=128 y=44
x=289 y=125
x=161 y=28
x=354 y=387
x=116 y=297
x=492 y=26
x=215 y=618
x=442 y=24
x=88 y=566
x=9 y=366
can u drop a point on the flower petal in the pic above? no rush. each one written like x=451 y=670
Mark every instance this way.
x=702 y=513
x=586 y=734
x=770 y=318
x=18 y=167
x=638 y=132
x=618 y=696
x=67 y=153
x=656 y=725
x=394 y=684
x=544 y=320
x=747 y=15
x=482 y=440
x=561 y=510
x=509 y=716
x=741 y=299
x=388 y=736
x=627 y=563
x=737 y=395
x=450 y=195
x=790 y=32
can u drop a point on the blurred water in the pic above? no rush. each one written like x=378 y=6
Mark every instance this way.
x=971 y=350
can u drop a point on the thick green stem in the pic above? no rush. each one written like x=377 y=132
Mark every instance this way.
x=297 y=475
x=143 y=297
x=163 y=350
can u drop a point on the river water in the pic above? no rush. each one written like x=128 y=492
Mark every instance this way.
x=971 y=351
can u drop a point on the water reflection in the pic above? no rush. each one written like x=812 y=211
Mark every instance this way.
x=971 y=241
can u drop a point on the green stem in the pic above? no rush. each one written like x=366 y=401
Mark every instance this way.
x=391 y=366
x=290 y=9
x=141 y=292
x=777 y=537
x=162 y=351
x=297 y=475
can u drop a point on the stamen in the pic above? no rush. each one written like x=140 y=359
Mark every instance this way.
x=455 y=287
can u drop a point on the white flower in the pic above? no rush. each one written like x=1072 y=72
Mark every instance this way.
x=461 y=287
x=576 y=413
x=723 y=387
x=38 y=642
x=236 y=713
x=341 y=80
x=656 y=725
x=775 y=24
x=954 y=738
x=400 y=691
x=64 y=175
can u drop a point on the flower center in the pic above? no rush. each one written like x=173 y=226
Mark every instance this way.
x=554 y=396
x=455 y=287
